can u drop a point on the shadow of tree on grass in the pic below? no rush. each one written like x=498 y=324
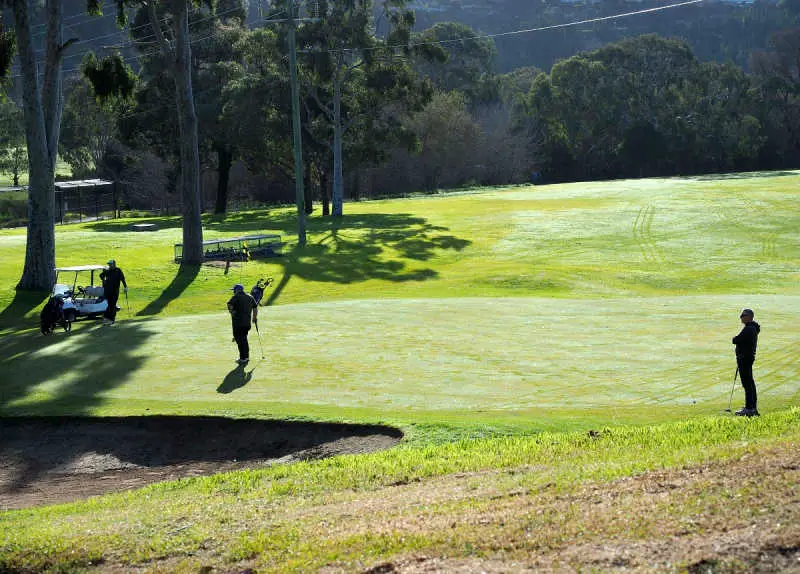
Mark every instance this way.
x=13 y=316
x=68 y=372
x=350 y=249
x=358 y=248
x=185 y=276
x=118 y=226
x=739 y=175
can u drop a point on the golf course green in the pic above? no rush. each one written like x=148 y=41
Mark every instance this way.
x=553 y=307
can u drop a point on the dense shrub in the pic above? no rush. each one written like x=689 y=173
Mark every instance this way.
x=13 y=209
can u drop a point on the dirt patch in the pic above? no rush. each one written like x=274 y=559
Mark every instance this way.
x=741 y=515
x=221 y=264
x=50 y=460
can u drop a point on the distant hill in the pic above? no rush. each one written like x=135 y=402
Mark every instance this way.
x=716 y=29
x=721 y=30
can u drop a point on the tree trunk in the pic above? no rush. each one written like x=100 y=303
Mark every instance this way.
x=40 y=257
x=338 y=137
x=225 y=159
x=308 y=188
x=189 y=146
x=324 y=191
x=355 y=186
x=52 y=102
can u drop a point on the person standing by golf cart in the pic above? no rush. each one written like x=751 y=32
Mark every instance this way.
x=111 y=277
x=242 y=307
x=746 y=343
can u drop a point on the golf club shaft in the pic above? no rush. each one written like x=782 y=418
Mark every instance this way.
x=730 y=400
x=260 y=345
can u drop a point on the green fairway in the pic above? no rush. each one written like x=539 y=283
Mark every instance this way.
x=534 y=362
x=539 y=307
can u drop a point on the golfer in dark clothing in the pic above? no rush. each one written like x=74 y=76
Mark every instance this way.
x=111 y=278
x=746 y=343
x=242 y=306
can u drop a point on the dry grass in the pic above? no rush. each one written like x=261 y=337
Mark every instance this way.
x=743 y=515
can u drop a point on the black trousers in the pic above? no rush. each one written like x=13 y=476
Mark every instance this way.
x=111 y=311
x=240 y=335
x=745 y=365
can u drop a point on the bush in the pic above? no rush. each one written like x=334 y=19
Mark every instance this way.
x=13 y=209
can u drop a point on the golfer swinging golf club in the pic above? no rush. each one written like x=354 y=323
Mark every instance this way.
x=746 y=343
x=242 y=306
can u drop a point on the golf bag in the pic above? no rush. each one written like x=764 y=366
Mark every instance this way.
x=51 y=315
x=257 y=292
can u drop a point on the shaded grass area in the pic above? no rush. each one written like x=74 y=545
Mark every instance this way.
x=295 y=518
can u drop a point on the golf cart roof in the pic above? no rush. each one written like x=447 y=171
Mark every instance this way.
x=82 y=268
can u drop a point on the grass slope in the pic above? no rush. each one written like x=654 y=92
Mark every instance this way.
x=512 y=499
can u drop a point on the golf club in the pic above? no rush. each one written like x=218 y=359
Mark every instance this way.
x=127 y=303
x=260 y=346
x=730 y=400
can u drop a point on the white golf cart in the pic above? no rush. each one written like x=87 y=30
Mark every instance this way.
x=75 y=295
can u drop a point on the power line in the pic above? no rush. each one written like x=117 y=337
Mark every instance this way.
x=67 y=19
x=156 y=51
x=518 y=32
x=427 y=43
x=132 y=43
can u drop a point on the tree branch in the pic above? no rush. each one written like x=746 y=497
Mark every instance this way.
x=166 y=47
x=324 y=107
x=346 y=125
x=349 y=70
x=52 y=104
x=308 y=130
x=67 y=44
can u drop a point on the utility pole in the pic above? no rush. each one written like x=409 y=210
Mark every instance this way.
x=296 y=128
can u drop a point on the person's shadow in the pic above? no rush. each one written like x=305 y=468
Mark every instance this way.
x=236 y=379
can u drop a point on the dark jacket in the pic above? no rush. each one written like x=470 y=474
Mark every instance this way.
x=747 y=341
x=241 y=306
x=111 y=279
